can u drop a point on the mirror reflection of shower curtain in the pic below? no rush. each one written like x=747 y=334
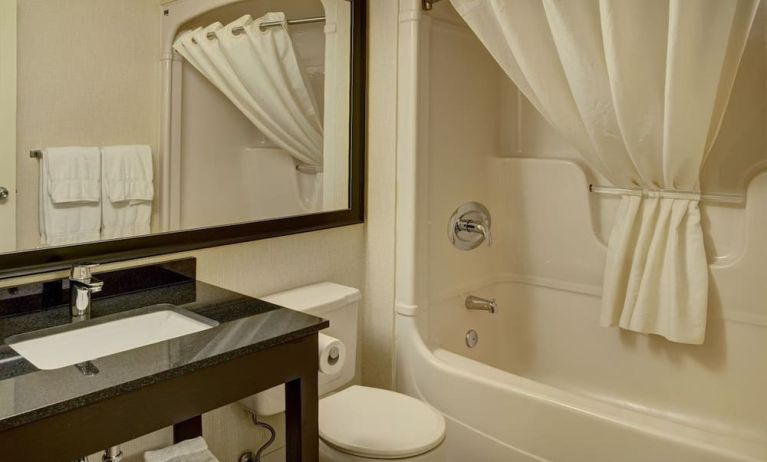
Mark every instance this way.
x=257 y=70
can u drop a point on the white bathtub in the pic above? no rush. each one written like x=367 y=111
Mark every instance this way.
x=539 y=399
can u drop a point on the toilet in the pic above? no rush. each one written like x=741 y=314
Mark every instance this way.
x=356 y=423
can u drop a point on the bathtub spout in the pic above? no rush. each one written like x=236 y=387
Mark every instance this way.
x=474 y=303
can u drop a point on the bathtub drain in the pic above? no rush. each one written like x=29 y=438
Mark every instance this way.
x=472 y=337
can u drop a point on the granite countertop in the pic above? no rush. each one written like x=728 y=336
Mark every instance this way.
x=246 y=325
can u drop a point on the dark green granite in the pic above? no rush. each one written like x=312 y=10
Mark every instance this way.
x=245 y=325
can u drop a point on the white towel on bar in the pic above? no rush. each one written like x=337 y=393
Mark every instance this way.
x=194 y=450
x=70 y=195
x=128 y=191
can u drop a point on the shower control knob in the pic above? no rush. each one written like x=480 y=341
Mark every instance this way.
x=469 y=226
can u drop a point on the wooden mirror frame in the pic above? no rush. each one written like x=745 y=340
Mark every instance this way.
x=26 y=262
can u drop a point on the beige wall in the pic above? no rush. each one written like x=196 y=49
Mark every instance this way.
x=377 y=358
x=360 y=256
x=8 y=123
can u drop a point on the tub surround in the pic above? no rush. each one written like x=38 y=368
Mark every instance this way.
x=170 y=383
x=543 y=370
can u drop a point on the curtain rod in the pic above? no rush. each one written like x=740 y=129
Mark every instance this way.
x=733 y=199
x=240 y=29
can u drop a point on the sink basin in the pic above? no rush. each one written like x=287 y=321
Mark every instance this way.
x=71 y=344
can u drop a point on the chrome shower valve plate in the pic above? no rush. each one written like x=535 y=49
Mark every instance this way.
x=464 y=240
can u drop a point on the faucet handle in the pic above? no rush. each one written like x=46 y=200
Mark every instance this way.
x=487 y=235
x=82 y=272
x=469 y=226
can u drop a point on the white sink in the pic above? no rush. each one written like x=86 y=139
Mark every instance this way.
x=68 y=345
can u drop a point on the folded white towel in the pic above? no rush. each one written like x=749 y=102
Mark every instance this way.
x=127 y=173
x=194 y=450
x=73 y=174
x=70 y=195
x=128 y=191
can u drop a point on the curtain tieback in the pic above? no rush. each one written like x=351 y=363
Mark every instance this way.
x=308 y=168
x=719 y=198
x=668 y=194
x=649 y=193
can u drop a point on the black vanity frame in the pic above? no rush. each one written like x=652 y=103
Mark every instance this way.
x=36 y=261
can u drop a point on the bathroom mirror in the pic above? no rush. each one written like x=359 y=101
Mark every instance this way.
x=153 y=126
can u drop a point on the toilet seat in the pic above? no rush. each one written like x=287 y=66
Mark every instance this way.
x=379 y=424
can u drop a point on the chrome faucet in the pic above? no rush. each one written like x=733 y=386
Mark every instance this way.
x=474 y=303
x=81 y=288
x=113 y=454
x=474 y=226
x=469 y=226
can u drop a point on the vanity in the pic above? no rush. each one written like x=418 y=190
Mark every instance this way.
x=54 y=409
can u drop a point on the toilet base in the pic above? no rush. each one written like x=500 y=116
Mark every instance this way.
x=328 y=454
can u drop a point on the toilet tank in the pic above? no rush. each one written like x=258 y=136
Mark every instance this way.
x=339 y=305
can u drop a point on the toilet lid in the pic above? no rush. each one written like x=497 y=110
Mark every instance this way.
x=370 y=422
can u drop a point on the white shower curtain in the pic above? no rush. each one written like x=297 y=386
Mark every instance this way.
x=258 y=71
x=639 y=87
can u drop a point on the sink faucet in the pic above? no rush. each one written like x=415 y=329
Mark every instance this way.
x=81 y=287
